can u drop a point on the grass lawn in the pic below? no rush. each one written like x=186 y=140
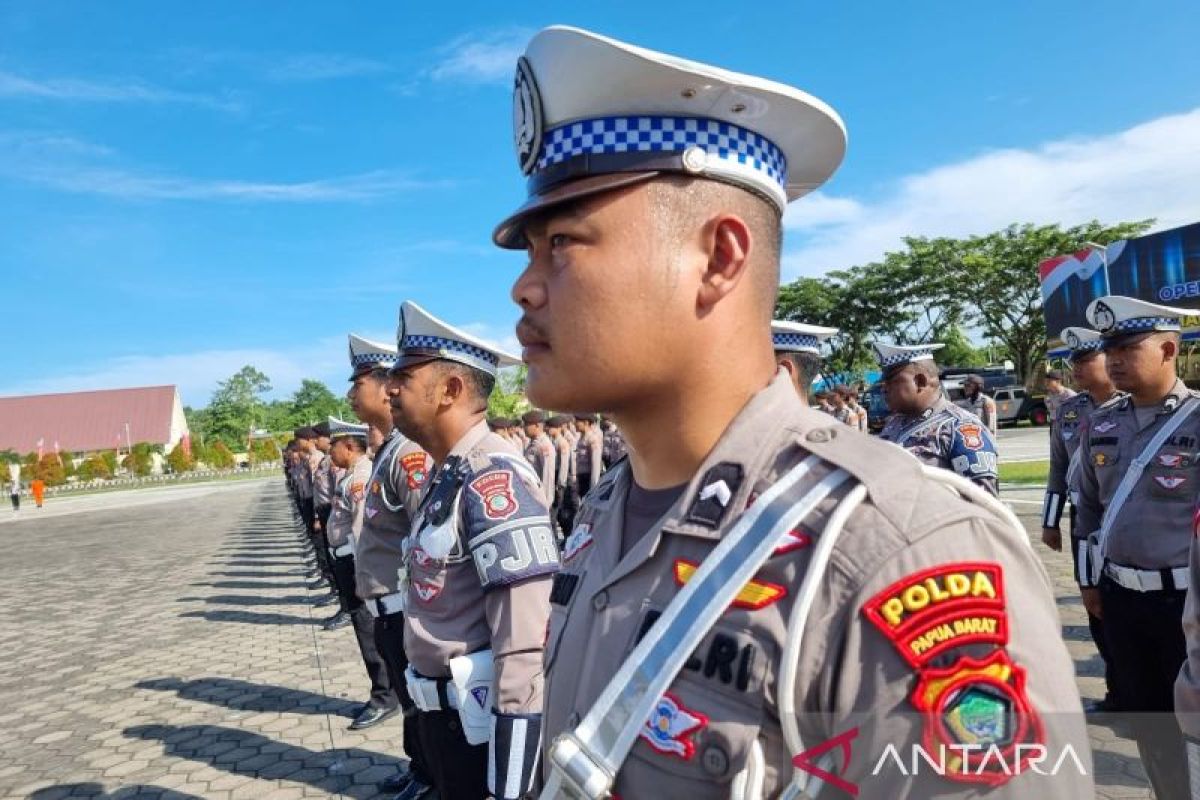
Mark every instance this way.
x=1024 y=472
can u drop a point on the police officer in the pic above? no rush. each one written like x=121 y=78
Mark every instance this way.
x=614 y=442
x=305 y=443
x=566 y=487
x=348 y=453
x=978 y=403
x=1139 y=467
x=479 y=563
x=718 y=627
x=589 y=453
x=1069 y=424
x=539 y=452
x=325 y=478
x=798 y=352
x=399 y=473
x=928 y=425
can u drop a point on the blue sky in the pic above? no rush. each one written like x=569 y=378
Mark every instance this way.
x=185 y=188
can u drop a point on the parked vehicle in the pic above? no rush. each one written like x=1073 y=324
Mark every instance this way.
x=1014 y=403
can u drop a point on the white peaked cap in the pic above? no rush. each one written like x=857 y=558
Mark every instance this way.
x=1115 y=315
x=894 y=355
x=367 y=355
x=423 y=337
x=799 y=337
x=1080 y=340
x=585 y=105
x=339 y=428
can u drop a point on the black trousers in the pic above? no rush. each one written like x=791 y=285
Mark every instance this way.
x=389 y=640
x=364 y=631
x=458 y=769
x=16 y=501
x=566 y=509
x=1147 y=645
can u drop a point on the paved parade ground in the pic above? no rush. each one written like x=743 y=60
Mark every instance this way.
x=163 y=644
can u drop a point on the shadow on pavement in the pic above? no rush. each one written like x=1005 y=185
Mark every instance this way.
x=245 y=753
x=96 y=790
x=248 y=600
x=298 y=584
x=248 y=696
x=253 y=563
x=251 y=617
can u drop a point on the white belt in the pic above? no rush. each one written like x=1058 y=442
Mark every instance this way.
x=342 y=551
x=1145 y=580
x=431 y=694
x=388 y=604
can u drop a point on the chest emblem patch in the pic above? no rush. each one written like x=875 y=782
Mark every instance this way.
x=425 y=592
x=754 y=595
x=794 y=539
x=1170 y=459
x=1106 y=426
x=579 y=540
x=670 y=727
x=1171 y=482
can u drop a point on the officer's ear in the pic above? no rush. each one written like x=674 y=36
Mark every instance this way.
x=727 y=240
x=1170 y=347
x=920 y=380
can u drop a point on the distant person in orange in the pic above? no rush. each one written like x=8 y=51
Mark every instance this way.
x=38 y=487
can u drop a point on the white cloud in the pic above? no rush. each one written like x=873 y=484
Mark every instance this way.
x=70 y=165
x=481 y=57
x=197 y=374
x=92 y=91
x=1149 y=170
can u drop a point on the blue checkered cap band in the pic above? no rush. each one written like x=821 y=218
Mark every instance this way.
x=904 y=358
x=1139 y=324
x=720 y=140
x=452 y=349
x=796 y=341
x=372 y=360
x=1087 y=347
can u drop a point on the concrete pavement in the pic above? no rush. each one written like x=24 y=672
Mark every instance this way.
x=170 y=649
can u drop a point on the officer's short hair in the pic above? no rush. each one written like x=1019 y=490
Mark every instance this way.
x=533 y=417
x=305 y=432
x=321 y=428
x=478 y=383
x=808 y=367
x=1054 y=375
x=585 y=417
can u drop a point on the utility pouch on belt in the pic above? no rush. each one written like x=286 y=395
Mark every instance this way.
x=472 y=677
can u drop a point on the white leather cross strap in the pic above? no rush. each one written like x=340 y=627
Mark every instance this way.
x=342 y=550
x=584 y=762
x=1125 y=487
x=429 y=694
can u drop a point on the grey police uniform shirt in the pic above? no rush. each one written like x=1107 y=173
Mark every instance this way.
x=346 y=515
x=1187 y=685
x=589 y=454
x=924 y=591
x=948 y=436
x=541 y=456
x=564 y=462
x=398 y=478
x=983 y=407
x=304 y=477
x=1152 y=530
x=325 y=479
x=489 y=586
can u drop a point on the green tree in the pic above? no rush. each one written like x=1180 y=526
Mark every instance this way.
x=94 y=467
x=49 y=469
x=264 y=451
x=140 y=460
x=220 y=456
x=313 y=402
x=508 y=396
x=179 y=461
x=9 y=457
x=236 y=407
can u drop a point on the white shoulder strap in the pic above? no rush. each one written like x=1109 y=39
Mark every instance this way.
x=1137 y=467
x=584 y=762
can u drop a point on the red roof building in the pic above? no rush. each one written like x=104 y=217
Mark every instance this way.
x=78 y=422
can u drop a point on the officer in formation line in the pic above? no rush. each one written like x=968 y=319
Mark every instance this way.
x=1088 y=372
x=588 y=453
x=928 y=425
x=478 y=567
x=308 y=459
x=566 y=484
x=754 y=594
x=1138 y=469
x=325 y=478
x=348 y=454
x=397 y=478
x=979 y=404
x=540 y=453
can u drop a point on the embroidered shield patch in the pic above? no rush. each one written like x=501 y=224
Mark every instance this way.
x=414 y=469
x=972 y=436
x=496 y=494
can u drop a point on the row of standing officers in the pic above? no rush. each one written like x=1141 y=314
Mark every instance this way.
x=755 y=602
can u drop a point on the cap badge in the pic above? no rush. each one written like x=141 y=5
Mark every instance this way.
x=527 y=117
x=1104 y=317
x=1073 y=340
